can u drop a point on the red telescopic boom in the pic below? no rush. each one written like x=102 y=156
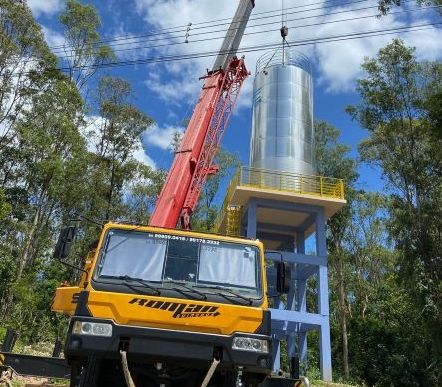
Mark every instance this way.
x=194 y=159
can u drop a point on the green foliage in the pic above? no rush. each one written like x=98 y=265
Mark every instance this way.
x=5 y=207
x=399 y=99
x=81 y=24
x=206 y=213
x=386 y=5
x=47 y=174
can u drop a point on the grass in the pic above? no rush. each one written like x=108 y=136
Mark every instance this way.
x=320 y=383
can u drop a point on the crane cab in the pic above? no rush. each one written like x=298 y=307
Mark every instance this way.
x=173 y=297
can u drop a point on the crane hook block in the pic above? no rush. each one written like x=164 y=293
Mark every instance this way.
x=284 y=31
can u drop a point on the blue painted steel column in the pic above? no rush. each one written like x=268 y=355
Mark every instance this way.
x=323 y=306
x=302 y=303
x=292 y=301
x=251 y=219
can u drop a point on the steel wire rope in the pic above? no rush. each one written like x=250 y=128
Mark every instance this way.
x=270 y=30
x=317 y=40
x=130 y=39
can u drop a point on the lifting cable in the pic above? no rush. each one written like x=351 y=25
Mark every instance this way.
x=210 y=372
x=127 y=375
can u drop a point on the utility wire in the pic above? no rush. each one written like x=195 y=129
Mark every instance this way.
x=129 y=38
x=67 y=57
x=183 y=28
x=296 y=43
x=318 y=40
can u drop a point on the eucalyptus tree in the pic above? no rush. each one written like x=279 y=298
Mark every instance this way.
x=116 y=136
x=84 y=50
x=24 y=57
x=399 y=97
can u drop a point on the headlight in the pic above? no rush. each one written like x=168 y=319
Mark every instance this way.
x=92 y=328
x=249 y=344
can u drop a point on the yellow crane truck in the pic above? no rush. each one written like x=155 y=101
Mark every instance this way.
x=177 y=304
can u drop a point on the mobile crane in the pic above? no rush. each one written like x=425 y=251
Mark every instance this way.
x=160 y=306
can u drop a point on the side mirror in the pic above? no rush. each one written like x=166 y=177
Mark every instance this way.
x=283 y=277
x=64 y=242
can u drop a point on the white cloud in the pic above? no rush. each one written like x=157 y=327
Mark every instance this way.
x=428 y=42
x=54 y=39
x=47 y=7
x=90 y=131
x=141 y=156
x=338 y=63
x=160 y=137
x=174 y=91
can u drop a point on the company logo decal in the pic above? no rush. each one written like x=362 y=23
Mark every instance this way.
x=179 y=310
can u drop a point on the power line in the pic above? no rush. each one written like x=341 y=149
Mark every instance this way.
x=296 y=43
x=183 y=28
x=318 y=40
x=259 y=32
x=129 y=38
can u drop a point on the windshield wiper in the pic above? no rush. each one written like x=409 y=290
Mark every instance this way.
x=127 y=278
x=185 y=286
x=230 y=292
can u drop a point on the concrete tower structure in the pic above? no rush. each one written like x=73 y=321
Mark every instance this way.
x=281 y=201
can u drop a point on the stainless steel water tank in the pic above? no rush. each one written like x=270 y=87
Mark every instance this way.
x=282 y=121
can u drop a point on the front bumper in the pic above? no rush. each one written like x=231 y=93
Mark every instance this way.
x=148 y=345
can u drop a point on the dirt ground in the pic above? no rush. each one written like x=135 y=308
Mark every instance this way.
x=29 y=381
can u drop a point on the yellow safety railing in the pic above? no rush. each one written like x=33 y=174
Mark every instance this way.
x=321 y=186
x=292 y=182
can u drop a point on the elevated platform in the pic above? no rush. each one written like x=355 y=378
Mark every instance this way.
x=302 y=191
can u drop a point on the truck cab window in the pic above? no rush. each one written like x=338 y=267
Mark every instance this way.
x=133 y=254
x=181 y=261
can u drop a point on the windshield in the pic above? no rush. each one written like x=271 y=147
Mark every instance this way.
x=164 y=258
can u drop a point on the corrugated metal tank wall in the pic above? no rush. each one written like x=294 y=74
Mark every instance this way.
x=282 y=121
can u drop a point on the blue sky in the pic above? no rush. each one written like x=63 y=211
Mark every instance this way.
x=168 y=91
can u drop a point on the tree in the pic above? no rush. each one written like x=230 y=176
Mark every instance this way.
x=116 y=138
x=386 y=5
x=24 y=56
x=83 y=48
x=205 y=215
x=404 y=140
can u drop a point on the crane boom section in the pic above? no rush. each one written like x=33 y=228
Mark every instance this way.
x=233 y=79
x=171 y=200
x=234 y=35
x=193 y=161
